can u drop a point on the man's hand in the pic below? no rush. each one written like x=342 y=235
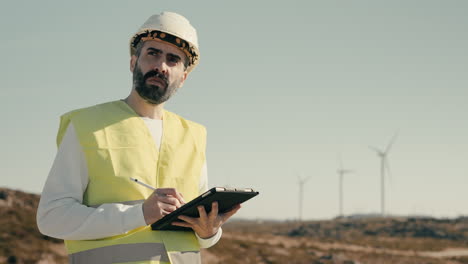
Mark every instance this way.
x=207 y=225
x=162 y=201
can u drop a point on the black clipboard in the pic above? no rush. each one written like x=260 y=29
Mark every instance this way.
x=226 y=198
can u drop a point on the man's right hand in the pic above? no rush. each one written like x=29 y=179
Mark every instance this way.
x=161 y=202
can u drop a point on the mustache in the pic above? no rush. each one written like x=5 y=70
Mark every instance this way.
x=157 y=74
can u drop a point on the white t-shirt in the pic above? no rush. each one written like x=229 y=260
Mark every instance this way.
x=61 y=212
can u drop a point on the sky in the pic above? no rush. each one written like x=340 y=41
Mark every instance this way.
x=284 y=88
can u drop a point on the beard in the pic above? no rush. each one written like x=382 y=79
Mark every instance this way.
x=153 y=94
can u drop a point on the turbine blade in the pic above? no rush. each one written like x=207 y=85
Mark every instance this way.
x=300 y=174
x=302 y=179
x=340 y=160
x=299 y=178
x=375 y=149
x=390 y=144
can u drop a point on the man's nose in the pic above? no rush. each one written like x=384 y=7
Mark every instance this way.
x=161 y=66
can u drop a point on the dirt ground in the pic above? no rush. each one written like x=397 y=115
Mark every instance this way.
x=306 y=250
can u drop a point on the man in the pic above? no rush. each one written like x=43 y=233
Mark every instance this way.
x=89 y=199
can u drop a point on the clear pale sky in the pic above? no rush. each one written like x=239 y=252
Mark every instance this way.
x=283 y=88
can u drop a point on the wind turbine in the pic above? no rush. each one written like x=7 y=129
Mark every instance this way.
x=341 y=172
x=384 y=167
x=302 y=181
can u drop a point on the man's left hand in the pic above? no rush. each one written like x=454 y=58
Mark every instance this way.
x=207 y=225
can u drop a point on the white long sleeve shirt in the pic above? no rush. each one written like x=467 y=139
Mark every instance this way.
x=61 y=212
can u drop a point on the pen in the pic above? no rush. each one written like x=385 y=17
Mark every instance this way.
x=142 y=183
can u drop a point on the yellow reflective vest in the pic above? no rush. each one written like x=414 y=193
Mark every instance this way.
x=118 y=145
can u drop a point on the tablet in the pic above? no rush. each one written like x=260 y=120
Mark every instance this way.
x=226 y=198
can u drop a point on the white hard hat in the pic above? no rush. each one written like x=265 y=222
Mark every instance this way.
x=172 y=28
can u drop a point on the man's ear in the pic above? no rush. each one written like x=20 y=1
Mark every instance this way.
x=133 y=61
x=184 y=77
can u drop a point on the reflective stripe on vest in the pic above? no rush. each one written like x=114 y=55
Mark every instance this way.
x=126 y=253
x=118 y=145
x=154 y=252
x=121 y=253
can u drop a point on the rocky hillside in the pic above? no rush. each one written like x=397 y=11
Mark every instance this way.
x=440 y=229
x=20 y=240
x=339 y=241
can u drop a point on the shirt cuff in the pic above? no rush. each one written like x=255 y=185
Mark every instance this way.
x=209 y=242
x=134 y=218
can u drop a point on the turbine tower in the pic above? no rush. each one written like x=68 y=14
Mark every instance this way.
x=341 y=172
x=384 y=167
x=302 y=181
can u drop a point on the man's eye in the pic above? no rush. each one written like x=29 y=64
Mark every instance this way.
x=173 y=59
